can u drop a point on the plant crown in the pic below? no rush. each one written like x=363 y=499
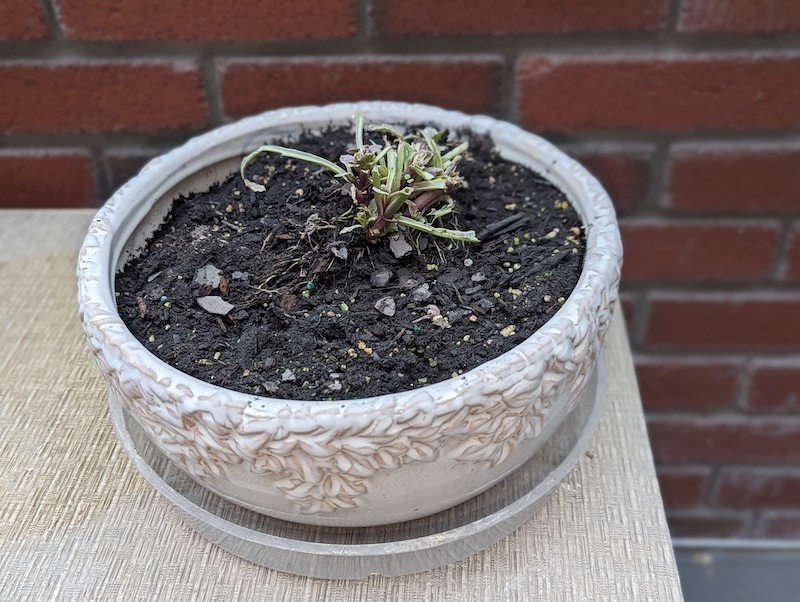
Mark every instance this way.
x=407 y=181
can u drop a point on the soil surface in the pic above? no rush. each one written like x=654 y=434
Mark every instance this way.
x=258 y=292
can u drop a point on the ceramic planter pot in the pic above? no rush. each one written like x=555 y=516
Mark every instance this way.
x=361 y=462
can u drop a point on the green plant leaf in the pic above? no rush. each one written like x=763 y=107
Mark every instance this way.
x=396 y=200
x=455 y=152
x=386 y=129
x=464 y=235
x=400 y=166
x=436 y=153
x=442 y=210
x=391 y=164
x=382 y=154
x=425 y=186
x=376 y=180
x=359 y=131
x=408 y=173
x=286 y=152
x=425 y=175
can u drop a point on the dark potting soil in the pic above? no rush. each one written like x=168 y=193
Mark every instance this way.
x=308 y=320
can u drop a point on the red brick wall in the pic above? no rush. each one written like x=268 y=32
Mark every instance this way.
x=687 y=110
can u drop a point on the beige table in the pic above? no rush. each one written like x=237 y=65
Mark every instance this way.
x=78 y=522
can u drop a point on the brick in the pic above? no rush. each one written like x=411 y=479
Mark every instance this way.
x=206 y=19
x=758 y=488
x=725 y=438
x=739 y=16
x=22 y=20
x=123 y=164
x=252 y=86
x=730 y=322
x=668 y=384
x=118 y=96
x=700 y=523
x=791 y=269
x=779 y=525
x=455 y=17
x=625 y=177
x=683 y=251
x=46 y=179
x=718 y=179
x=683 y=487
x=660 y=92
x=774 y=386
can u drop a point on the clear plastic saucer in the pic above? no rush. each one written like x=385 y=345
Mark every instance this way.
x=391 y=550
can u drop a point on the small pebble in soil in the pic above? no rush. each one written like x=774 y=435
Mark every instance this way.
x=508 y=330
x=386 y=305
x=215 y=305
x=380 y=277
x=422 y=293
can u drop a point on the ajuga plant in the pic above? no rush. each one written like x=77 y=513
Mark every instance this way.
x=406 y=181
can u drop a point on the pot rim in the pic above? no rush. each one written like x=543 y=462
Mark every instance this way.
x=599 y=275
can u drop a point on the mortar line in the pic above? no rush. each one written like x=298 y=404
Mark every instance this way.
x=755 y=529
x=577 y=45
x=788 y=137
x=50 y=12
x=641 y=319
x=718 y=353
x=741 y=220
x=364 y=20
x=684 y=359
x=757 y=288
x=673 y=15
x=782 y=247
x=659 y=177
x=742 y=385
x=712 y=487
x=212 y=90
x=611 y=141
x=102 y=172
x=726 y=413
x=507 y=107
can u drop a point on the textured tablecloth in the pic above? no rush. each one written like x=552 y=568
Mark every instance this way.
x=78 y=522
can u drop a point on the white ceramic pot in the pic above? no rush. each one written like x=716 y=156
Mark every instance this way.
x=361 y=462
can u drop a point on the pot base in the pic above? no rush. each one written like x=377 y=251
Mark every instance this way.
x=391 y=550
